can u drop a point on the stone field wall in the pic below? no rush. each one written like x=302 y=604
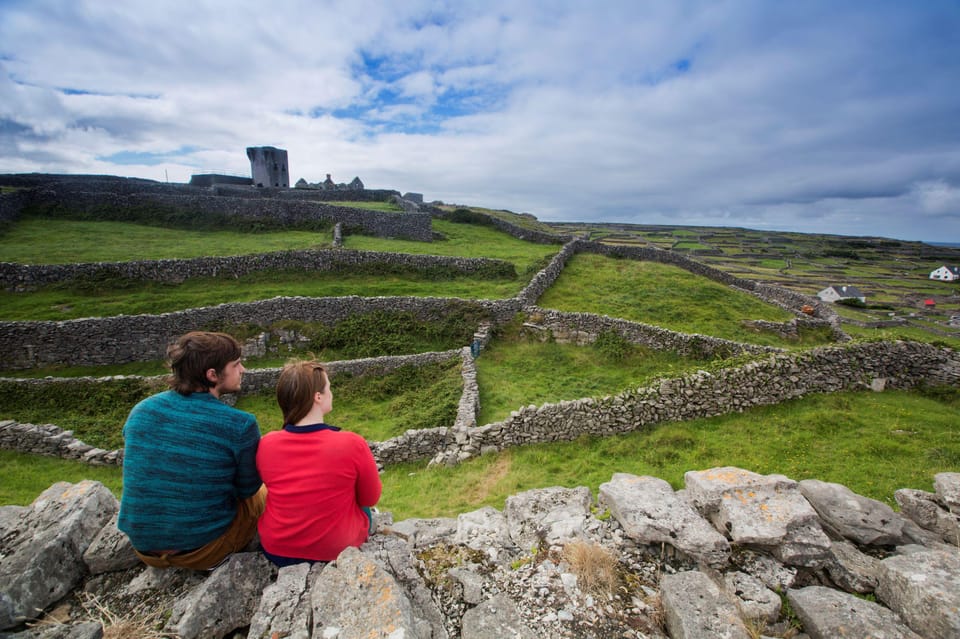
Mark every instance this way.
x=271 y=213
x=21 y=277
x=773 y=379
x=116 y=340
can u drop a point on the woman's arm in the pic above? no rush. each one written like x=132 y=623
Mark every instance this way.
x=369 y=486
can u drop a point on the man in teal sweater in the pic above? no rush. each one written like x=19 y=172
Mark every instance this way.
x=191 y=491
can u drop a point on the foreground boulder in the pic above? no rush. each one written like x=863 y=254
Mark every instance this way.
x=639 y=561
x=42 y=547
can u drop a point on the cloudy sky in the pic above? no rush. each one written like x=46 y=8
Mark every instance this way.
x=814 y=116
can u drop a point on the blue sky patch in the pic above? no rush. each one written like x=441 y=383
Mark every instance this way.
x=147 y=158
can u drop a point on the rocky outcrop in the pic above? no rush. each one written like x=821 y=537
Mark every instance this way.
x=719 y=558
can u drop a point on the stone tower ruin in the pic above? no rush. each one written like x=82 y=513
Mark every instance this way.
x=268 y=166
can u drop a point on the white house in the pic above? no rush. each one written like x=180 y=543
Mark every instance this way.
x=835 y=293
x=946 y=273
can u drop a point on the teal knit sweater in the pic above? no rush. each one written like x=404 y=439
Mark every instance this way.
x=187 y=460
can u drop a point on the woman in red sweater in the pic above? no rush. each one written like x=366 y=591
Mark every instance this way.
x=321 y=481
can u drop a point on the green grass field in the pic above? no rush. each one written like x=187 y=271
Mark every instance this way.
x=45 y=241
x=872 y=443
x=659 y=294
x=513 y=372
x=120 y=241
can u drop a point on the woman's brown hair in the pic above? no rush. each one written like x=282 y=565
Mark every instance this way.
x=299 y=383
x=191 y=356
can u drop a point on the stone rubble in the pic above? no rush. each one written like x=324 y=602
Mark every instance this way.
x=733 y=554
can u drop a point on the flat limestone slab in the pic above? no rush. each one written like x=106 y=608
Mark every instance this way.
x=923 y=586
x=762 y=510
x=651 y=512
x=828 y=613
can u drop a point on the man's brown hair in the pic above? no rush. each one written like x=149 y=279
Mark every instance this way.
x=193 y=354
x=299 y=382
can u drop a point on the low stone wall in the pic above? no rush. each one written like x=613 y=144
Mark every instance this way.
x=272 y=212
x=778 y=295
x=52 y=441
x=10 y=206
x=778 y=378
x=120 y=339
x=255 y=381
x=22 y=277
x=307 y=195
x=545 y=278
x=514 y=230
x=772 y=380
x=583 y=328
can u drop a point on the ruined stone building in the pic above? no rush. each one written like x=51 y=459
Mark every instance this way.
x=268 y=166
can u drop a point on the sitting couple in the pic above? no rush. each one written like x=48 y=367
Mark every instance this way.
x=199 y=482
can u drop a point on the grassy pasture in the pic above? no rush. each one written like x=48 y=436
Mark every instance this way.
x=36 y=240
x=122 y=241
x=873 y=443
x=659 y=294
x=516 y=371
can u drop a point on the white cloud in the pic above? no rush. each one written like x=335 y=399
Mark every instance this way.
x=827 y=117
x=937 y=197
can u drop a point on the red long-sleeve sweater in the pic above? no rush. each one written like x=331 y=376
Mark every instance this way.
x=317 y=479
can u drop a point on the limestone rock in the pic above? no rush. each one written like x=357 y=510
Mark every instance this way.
x=947 y=486
x=396 y=556
x=696 y=608
x=284 y=608
x=110 y=550
x=754 y=599
x=424 y=532
x=858 y=518
x=86 y=630
x=496 y=618
x=10 y=517
x=827 y=614
x=43 y=558
x=470 y=582
x=356 y=598
x=852 y=570
x=926 y=510
x=547 y=515
x=225 y=600
x=766 y=511
x=651 y=512
x=484 y=529
x=923 y=586
x=770 y=571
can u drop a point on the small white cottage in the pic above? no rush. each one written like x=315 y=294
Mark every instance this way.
x=946 y=273
x=836 y=293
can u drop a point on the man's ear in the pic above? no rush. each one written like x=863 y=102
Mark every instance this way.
x=212 y=376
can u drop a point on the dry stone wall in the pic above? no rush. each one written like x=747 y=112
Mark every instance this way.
x=52 y=441
x=583 y=328
x=273 y=213
x=517 y=231
x=774 y=379
x=116 y=197
x=21 y=277
x=308 y=195
x=120 y=339
x=772 y=294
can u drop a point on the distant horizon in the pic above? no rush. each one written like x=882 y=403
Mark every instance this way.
x=600 y=222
